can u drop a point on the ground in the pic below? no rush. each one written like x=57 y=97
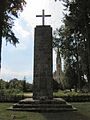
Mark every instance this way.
x=83 y=113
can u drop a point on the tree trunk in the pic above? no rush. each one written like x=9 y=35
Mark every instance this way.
x=78 y=73
x=88 y=50
x=78 y=69
x=1 y=23
x=0 y=48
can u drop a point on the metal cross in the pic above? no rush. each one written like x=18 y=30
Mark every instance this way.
x=43 y=17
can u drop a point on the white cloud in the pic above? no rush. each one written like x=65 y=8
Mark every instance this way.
x=20 y=30
x=26 y=35
x=10 y=74
x=23 y=34
x=34 y=8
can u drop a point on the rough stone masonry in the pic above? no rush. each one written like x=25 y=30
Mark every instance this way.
x=42 y=83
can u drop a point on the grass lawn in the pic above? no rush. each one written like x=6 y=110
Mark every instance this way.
x=83 y=113
x=83 y=108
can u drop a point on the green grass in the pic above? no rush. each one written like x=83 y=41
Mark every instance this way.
x=83 y=108
x=59 y=93
x=83 y=113
x=68 y=93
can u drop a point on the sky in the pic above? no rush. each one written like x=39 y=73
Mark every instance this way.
x=17 y=62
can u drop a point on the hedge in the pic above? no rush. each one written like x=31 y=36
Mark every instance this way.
x=68 y=98
x=11 y=98
x=75 y=98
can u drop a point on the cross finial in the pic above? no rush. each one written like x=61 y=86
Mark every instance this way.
x=43 y=17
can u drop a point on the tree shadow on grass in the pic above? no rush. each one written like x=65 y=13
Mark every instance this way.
x=68 y=115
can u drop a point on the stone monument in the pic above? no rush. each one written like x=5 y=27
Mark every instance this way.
x=43 y=61
x=42 y=99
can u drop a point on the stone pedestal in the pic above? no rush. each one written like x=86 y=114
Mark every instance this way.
x=53 y=105
x=42 y=80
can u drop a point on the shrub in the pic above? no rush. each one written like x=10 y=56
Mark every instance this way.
x=10 y=96
x=73 y=96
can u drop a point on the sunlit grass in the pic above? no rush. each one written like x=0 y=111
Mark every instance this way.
x=68 y=93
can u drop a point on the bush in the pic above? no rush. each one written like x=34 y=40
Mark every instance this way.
x=73 y=96
x=10 y=96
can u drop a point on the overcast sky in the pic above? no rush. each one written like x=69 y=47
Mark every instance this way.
x=17 y=62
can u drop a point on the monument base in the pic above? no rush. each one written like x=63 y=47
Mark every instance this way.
x=56 y=104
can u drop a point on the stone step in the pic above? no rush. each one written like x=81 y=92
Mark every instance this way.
x=48 y=101
x=42 y=105
x=42 y=109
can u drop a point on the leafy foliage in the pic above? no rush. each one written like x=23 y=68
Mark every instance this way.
x=15 y=86
x=78 y=22
x=75 y=42
x=9 y=9
x=72 y=96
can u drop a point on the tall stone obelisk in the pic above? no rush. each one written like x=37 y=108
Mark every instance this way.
x=42 y=84
x=42 y=79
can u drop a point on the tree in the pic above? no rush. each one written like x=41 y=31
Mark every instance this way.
x=72 y=47
x=9 y=9
x=15 y=84
x=78 y=20
x=2 y=84
x=24 y=84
